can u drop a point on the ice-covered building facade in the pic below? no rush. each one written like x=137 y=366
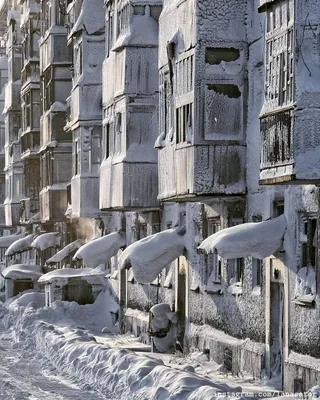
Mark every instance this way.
x=185 y=132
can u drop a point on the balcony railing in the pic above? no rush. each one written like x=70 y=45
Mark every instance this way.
x=30 y=141
x=74 y=10
x=28 y=207
x=276 y=140
x=30 y=73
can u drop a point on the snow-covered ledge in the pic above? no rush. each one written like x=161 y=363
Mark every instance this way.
x=305 y=290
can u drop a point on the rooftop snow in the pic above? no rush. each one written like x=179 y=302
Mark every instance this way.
x=22 y=271
x=150 y=255
x=100 y=250
x=258 y=240
x=62 y=254
x=66 y=273
x=47 y=240
x=20 y=245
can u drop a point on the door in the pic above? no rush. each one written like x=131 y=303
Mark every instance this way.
x=79 y=291
x=181 y=300
x=276 y=330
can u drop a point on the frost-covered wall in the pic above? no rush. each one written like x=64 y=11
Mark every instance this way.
x=128 y=173
x=87 y=42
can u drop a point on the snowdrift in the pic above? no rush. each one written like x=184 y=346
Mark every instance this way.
x=22 y=271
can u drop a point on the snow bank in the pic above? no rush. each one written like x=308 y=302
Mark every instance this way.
x=255 y=239
x=22 y=271
x=20 y=245
x=99 y=251
x=6 y=241
x=61 y=276
x=65 y=252
x=29 y=299
x=46 y=240
x=150 y=255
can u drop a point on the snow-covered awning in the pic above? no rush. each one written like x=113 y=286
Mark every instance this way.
x=255 y=239
x=6 y=241
x=20 y=245
x=99 y=251
x=23 y=271
x=65 y=252
x=46 y=240
x=62 y=276
x=150 y=255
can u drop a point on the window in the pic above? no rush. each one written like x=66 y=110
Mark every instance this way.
x=184 y=122
x=235 y=266
x=165 y=103
x=257 y=266
x=118 y=133
x=213 y=261
x=76 y=158
x=78 y=60
x=308 y=240
x=107 y=141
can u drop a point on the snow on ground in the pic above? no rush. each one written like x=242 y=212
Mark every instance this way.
x=63 y=335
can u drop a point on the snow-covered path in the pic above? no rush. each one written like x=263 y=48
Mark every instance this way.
x=26 y=376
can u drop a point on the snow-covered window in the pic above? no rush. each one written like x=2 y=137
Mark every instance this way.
x=214 y=266
x=184 y=123
x=279 y=84
x=308 y=240
x=123 y=19
x=165 y=100
x=118 y=132
x=48 y=89
x=107 y=140
x=257 y=268
x=109 y=30
x=235 y=266
x=78 y=60
x=76 y=157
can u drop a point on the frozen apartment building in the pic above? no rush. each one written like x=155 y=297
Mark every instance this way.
x=55 y=141
x=251 y=304
x=86 y=40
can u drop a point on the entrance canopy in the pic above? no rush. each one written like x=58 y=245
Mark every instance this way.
x=22 y=271
x=20 y=245
x=6 y=241
x=46 y=240
x=65 y=252
x=99 y=251
x=149 y=256
x=255 y=239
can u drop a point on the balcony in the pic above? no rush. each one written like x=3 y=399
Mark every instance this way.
x=290 y=148
x=28 y=208
x=74 y=10
x=54 y=50
x=12 y=96
x=30 y=73
x=52 y=125
x=30 y=144
x=187 y=172
x=53 y=203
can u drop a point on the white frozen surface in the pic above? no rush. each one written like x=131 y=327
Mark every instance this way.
x=259 y=240
x=20 y=245
x=62 y=275
x=28 y=299
x=6 y=241
x=91 y=17
x=63 y=253
x=47 y=240
x=99 y=251
x=150 y=255
x=22 y=271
